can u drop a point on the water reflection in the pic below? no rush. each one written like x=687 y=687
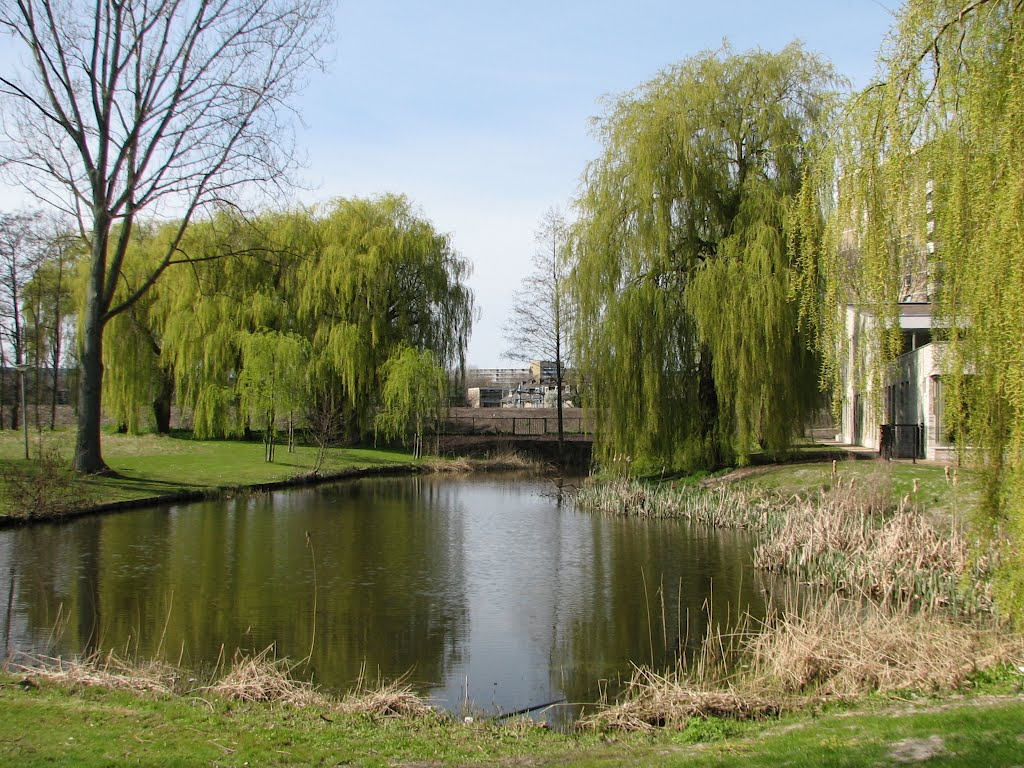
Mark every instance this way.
x=487 y=591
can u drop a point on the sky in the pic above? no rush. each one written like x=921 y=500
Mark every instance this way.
x=480 y=112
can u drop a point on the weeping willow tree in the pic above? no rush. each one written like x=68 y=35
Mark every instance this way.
x=272 y=381
x=932 y=153
x=180 y=340
x=687 y=326
x=414 y=397
x=355 y=280
x=382 y=276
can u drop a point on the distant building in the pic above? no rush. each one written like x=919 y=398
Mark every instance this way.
x=544 y=371
x=907 y=418
x=484 y=397
x=533 y=387
x=503 y=378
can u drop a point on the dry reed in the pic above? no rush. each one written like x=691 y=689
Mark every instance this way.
x=386 y=699
x=263 y=678
x=843 y=648
x=105 y=671
x=834 y=649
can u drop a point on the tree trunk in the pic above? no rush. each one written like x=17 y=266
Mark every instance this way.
x=558 y=393
x=707 y=404
x=16 y=413
x=88 y=455
x=3 y=382
x=162 y=404
x=55 y=382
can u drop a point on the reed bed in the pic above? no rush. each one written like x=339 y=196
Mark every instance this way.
x=835 y=649
x=843 y=648
x=851 y=537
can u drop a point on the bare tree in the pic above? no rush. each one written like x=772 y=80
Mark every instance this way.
x=538 y=326
x=49 y=309
x=22 y=250
x=165 y=107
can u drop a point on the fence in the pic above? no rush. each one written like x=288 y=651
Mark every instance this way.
x=515 y=423
x=901 y=441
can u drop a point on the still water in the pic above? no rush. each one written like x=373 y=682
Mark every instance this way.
x=490 y=591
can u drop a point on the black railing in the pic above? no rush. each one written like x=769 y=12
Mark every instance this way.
x=901 y=441
x=515 y=425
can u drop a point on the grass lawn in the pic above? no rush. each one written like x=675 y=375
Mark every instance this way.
x=934 y=491
x=45 y=724
x=150 y=465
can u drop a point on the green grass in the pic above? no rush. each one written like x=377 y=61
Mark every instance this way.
x=934 y=491
x=149 y=466
x=52 y=725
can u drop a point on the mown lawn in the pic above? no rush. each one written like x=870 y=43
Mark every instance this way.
x=150 y=465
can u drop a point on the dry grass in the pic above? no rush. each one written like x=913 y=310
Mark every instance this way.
x=842 y=648
x=507 y=460
x=264 y=678
x=385 y=699
x=654 y=700
x=837 y=649
x=258 y=678
x=105 y=671
x=458 y=464
x=855 y=545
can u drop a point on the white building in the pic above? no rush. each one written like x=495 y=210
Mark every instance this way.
x=904 y=419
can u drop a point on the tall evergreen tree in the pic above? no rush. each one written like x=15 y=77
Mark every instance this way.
x=687 y=329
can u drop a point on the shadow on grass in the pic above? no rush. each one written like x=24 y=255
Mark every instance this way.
x=116 y=480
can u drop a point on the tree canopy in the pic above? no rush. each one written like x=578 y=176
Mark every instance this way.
x=356 y=281
x=928 y=161
x=687 y=328
x=415 y=396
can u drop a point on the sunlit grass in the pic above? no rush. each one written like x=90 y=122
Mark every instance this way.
x=150 y=465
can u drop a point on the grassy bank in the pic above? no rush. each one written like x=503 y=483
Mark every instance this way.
x=151 y=466
x=60 y=723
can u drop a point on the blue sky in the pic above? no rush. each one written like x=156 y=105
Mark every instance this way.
x=480 y=111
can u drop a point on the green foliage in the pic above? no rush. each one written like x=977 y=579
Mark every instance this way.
x=687 y=323
x=414 y=397
x=272 y=379
x=939 y=138
x=354 y=281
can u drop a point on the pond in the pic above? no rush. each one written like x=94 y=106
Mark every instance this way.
x=490 y=592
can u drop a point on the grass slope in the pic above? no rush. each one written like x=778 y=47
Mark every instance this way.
x=46 y=724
